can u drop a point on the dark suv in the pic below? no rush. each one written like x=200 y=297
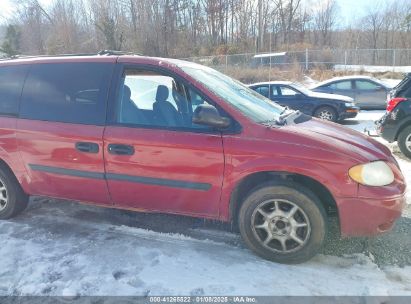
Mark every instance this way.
x=395 y=125
x=164 y=135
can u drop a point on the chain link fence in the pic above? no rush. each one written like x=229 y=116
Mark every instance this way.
x=338 y=59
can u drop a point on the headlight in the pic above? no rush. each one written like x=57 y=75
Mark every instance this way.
x=376 y=173
x=349 y=104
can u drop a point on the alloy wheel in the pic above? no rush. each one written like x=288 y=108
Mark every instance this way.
x=326 y=115
x=408 y=142
x=281 y=226
x=3 y=196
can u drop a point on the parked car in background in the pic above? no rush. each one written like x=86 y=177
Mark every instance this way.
x=164 y=135
x=297 y=97
x=395 y=125
x=368 y=92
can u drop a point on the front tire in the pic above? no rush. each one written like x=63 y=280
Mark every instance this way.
x=404 y=141
x=12 y=198
x=283 y=224
x=326 y=113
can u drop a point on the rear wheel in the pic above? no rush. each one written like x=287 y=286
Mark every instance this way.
x=404 y=141
x=326 y=113
x=12 y=198
x=283 y=224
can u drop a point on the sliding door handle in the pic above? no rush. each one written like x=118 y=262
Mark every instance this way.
x=87 y=147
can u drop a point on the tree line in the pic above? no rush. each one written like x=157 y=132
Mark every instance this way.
x=184 y=28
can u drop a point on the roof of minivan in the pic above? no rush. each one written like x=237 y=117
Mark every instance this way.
x=138 y=59
x=89 y=58
x=52 y=59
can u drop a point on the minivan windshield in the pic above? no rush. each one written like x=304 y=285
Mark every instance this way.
x=250 y=103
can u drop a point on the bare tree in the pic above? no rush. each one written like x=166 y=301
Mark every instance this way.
x=182 y=28
x=325 y=20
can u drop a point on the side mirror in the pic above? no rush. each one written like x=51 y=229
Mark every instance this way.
x=209 y=116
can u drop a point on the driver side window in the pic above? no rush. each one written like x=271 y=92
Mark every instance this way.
x=366 y=85
x=147 y=98
x=288 y=92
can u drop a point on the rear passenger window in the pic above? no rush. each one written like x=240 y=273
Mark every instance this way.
x=11 y=84
x=263 y=90
x=342 y=85
x=67 y=92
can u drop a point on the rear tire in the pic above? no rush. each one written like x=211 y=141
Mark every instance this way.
x=12 y=198
x=283 y=224
x=326 y=113
x=404 y=141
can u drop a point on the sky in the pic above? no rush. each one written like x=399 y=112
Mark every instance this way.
x=350 y=10
x=7 y=7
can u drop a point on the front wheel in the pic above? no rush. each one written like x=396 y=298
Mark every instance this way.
x=326 y=113
x=283 y=224
x=404 y=141
x=12 y=198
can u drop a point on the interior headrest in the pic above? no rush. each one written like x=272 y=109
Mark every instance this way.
x=126 y=92
x=162 y=93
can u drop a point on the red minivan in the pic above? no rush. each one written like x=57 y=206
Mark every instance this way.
x=163 y=135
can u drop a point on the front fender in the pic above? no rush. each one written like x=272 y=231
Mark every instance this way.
x=320 y=172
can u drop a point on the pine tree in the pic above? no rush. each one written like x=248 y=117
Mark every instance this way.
x=11 y=43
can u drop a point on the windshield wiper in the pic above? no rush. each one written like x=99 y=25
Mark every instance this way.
x=270 y=123
x=282 y=119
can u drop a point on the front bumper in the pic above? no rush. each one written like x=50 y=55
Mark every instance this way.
x=369 y=216
x=349 y=113
x=387 y=127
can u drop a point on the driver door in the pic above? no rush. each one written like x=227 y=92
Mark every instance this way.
x=161 y=164
x=370 y=94
x=289 y=97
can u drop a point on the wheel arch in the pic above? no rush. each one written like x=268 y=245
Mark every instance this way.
x=249 y=182
x=6 y=167
x=406 y=123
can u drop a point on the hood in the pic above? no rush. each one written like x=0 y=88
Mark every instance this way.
x=331 y=96
x=340 y=140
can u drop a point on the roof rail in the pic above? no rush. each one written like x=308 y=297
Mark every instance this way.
x=101 y=53
x=41 y=56
x=116 y=53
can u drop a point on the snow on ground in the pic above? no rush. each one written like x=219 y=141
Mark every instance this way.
x=372 y=68
x=65 y=248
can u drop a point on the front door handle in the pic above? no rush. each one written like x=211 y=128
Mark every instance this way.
x=87 y=147
x=119 y=149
